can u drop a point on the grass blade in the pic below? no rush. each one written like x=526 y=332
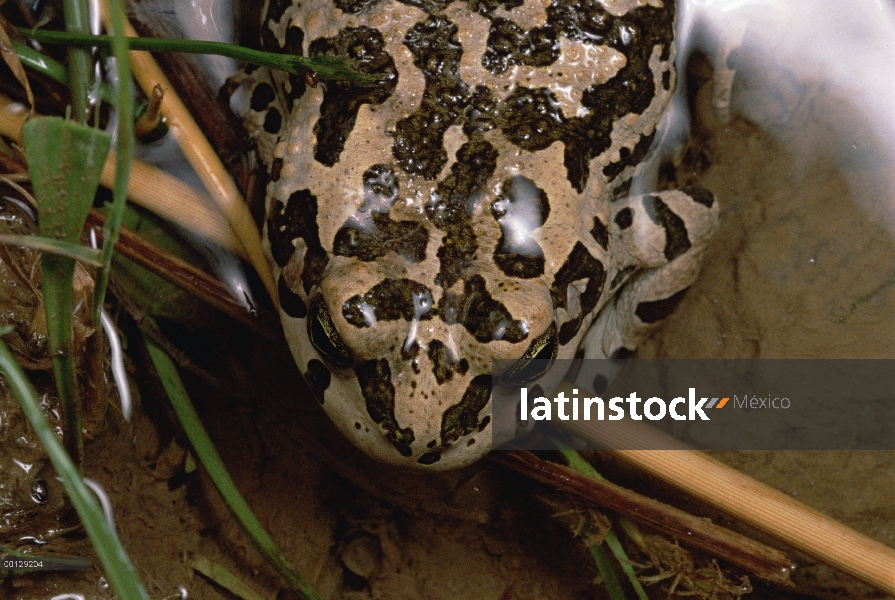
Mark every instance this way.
x=53 y=69
x=224 y=578
x=115 y=561
x=612 y=542
x=124 y=152
x=65 y=161
x=86 y=255
x=213 y=464
x=79 y=62
x=326 y=67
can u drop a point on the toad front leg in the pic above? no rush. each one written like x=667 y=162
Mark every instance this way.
x=656 y=242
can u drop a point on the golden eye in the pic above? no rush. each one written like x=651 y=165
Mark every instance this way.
x=325 y=337
x=536 y=361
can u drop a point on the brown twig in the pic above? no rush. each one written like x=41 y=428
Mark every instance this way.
x=149 y=187
x=204 y=160
x=182 y=274
x=765 y=562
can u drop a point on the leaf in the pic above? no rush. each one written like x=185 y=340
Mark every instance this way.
x=65 y=161
x=53 y=246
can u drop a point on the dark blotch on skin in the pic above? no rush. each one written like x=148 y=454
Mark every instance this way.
x=262 y=96
x=623 y=190
x=375 y=379
x=580 y=265
x=391 y=299
x=274 y=13
x=419 y=138
x=531 y=118
x=463 y=418
x=655 y=311
x=290 y=302
x=624 y=218
x=600 y=233
x=365 y=48
x=410 y=354
x=275 y=168
x=407 y=238
x=700 y=195
x=519 y=265
x=429 y=458
x=629 y=157
x=297 y=88
x=480 y=314
x=318 y=378
x=622 y=354
x=297 y=219
x=518 y=193
x=273 y=120
x=480 y=113
x=295 y=38
x=432 y=7
x=676 y=240
x=442 y=366
x=510 y=45
x=449 y=208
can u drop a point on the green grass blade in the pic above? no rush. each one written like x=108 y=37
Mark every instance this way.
x=607 y=567
x=37 y=61
x=84 y=254
x=612 y=542
x=326 y=67
x=79 y=62
x=115 y=561
x=213 y=464
x=124 y=152
x=58 y=278
x=224 y=578
x=65 y=161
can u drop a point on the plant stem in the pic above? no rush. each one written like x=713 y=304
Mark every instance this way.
x=57 y=281
x=79 y=62
x=42 y=63
x=327 y=67
x=125 y=149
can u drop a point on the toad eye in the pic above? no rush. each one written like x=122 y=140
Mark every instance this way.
x=325 y=337
x=536 y=361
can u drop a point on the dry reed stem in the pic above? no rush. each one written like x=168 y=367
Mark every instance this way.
x=149 y=187
x=202 y=157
